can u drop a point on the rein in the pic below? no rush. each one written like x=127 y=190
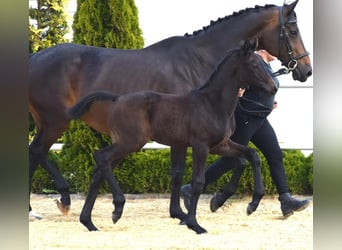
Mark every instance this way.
x=284 y=36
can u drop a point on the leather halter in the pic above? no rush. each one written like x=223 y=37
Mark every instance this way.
x=284 y=36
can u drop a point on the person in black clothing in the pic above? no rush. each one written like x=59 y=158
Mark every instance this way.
x=252 y=125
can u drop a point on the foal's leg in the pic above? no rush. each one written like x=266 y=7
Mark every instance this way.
x=232 y=149
x=177 y=172
x=97 y=181
x=228 y=190
x=104 y=157
x=199 y=155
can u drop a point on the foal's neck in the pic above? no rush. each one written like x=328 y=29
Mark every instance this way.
x=221 y=91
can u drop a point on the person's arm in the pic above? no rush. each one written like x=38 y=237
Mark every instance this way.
x=241 y=91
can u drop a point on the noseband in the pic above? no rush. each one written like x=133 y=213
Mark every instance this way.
x=284 y=36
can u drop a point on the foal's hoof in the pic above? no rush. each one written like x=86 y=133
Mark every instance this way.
x=63 y=208
x=90 y=226
x=199 y=230
x=214 y=204
x=251 y=208
x=115 y=218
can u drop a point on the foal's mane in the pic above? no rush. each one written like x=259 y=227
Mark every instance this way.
x=234 y=15
x=226 y=57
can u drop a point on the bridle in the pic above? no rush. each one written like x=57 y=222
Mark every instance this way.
x=284 y=37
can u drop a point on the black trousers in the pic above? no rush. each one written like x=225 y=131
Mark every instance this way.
x=259 y=131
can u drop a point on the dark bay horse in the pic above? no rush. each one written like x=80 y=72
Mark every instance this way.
x=61 y=75
x=202 y=119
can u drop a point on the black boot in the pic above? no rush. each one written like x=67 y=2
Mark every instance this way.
x=289 y=204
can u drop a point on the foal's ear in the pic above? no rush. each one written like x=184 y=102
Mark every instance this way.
x=250 y=45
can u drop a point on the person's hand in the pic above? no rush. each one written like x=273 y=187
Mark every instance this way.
x=241 y=91
x=275 y=104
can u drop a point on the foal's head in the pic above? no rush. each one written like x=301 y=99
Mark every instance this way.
x=250 y=68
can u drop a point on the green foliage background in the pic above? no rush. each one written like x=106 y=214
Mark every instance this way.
x=149 y=171
x=48 y=24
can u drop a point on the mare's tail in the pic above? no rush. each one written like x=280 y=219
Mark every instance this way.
x=85 y=103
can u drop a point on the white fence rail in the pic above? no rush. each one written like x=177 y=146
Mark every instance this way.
x=155 y=145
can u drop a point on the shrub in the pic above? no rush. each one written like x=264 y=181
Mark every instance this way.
x=149 y=172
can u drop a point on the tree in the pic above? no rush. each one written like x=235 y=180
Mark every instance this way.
x=47 y=27
x=48 y=24
x=103 y=23
x=107 y=23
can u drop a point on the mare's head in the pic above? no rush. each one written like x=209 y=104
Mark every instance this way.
x=249 y=68
x=285 y=42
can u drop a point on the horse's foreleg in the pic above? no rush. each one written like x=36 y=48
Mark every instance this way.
x=97 y=181
x=105 y=159
x=177 y=172
x=199 y=155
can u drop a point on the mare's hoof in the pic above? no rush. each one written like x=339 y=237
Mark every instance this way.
x=63 y=208
x=34 y=216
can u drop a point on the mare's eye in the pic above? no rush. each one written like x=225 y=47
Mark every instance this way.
x=293 y=32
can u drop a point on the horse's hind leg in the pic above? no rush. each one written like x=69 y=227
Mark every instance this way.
x=177 y=172
x=38 y=154
x=232 y=149
x=229 y=189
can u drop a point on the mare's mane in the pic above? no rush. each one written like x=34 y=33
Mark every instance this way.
x=235 y=14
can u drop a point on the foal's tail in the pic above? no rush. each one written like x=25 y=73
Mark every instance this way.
x=85 y=103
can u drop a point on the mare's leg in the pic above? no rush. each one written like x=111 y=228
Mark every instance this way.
x=237 y=150
x=38 y=154
x=177 y=172
x=199 y=155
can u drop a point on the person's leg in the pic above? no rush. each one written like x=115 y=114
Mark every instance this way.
x=266 y=140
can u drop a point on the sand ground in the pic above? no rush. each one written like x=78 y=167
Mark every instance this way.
x=146 y=224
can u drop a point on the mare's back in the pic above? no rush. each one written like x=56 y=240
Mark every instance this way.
x=85 y=69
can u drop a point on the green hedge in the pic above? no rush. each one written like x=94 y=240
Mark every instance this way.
x=149 y=172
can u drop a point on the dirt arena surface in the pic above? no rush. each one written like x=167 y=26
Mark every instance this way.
x=146 y=224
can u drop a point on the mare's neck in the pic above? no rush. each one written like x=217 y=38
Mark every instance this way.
x=229 y=33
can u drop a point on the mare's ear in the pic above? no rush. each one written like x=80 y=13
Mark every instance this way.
x=289 y=8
